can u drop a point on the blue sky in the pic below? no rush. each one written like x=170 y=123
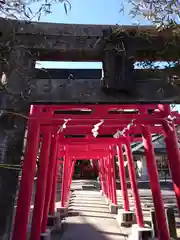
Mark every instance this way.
x=92 y=12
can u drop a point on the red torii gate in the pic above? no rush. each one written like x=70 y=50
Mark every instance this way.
x=73 y=156
x=44 y=120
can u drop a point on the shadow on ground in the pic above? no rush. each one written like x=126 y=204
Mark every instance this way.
x=85 y=231
x=145 y=185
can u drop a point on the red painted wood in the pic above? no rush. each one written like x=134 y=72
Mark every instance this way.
x=41 y=186
x=135 y=192
x=27 y=180
x=163 y=233
x=89 y=147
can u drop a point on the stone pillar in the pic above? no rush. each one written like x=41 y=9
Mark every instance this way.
x=13 y=98
x=144 y=171
x=118 y=64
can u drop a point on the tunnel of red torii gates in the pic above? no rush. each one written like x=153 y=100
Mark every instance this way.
x=97 y=132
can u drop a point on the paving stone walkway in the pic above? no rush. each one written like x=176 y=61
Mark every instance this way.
x=89 y=217
x=169 y=200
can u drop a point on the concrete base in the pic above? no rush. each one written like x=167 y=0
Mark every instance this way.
x=63 y=211
x=54 y=221
x=46 y=235
x=108 y=201
x=97 y=185
x=101 y=192
x=125 y=218
x=113 y=208
x=68 y=202
x=138 y=233
x=71 y=194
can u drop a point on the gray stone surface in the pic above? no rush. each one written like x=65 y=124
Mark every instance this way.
x=90 y=90
x=62 y=211
x=54 y=221
x=75 y=41
x=125 y=218
x=147 y=202
x=89 y=212
x=89 y=218
x=46 y=235
x=141 y=233
x=113 y=208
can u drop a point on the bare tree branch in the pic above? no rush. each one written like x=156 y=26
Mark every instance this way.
x=30 y=9
x=162 y=13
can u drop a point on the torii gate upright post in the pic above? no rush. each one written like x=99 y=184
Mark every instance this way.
x=101 y=174
x=27 y=180
x=108 y=186
x=93 y=165
x=139 y=229
x=109 y=179
x=41 y=185
x=125 y=217
x=113 y=206
x=104 y=179
x=171 y=141
x=63 y=208
x=104 y=176
x=52 y=205
x=51 y=169
x=71 y=173
x=70 y=170
x=132 y=176
x=122 y=175
x=163 y=233
x=63 y=181
x=54 y=218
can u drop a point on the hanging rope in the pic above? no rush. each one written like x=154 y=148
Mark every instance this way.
x=11 y=166
x=2 y=111
x=62 y=127
x=119 y=133
x=96 y=128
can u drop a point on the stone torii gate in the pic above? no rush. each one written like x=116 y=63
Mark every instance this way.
x=23 y=43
